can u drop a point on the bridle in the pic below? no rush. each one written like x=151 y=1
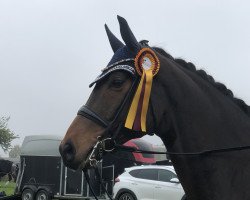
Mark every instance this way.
x=106 y=142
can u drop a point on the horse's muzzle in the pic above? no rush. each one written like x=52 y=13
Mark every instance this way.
x=68 y=153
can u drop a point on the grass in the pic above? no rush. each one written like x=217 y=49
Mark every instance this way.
x=7 y=187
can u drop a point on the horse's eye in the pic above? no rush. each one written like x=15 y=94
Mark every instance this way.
x=117 y=83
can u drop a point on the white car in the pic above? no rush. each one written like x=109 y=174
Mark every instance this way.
x=148 y=182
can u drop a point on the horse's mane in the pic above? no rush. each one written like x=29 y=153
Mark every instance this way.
x=221 y=87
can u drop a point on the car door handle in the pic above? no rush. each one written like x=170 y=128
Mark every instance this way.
x=157 y=187
x=134 y=183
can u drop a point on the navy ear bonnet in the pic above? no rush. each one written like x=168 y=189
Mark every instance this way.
x=124 y=55
x=119 y=61
x=121 y=54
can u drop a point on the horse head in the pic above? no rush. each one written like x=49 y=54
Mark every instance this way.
x=107 y=107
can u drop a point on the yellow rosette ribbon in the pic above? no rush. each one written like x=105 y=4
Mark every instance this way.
x=147 y=66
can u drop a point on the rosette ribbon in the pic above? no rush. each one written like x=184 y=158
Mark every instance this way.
x=147 y=65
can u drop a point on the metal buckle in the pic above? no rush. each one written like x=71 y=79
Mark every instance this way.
x=91 y=160
x=108 y=144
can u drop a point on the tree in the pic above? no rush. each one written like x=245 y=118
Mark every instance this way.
x=6 y=135
x=15 y=151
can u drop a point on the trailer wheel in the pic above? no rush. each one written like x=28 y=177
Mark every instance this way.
x=43 y=195
x=28 y=194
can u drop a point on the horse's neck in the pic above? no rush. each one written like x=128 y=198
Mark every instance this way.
x=197 y=117
x=200 y=116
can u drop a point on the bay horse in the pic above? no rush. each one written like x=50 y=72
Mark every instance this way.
x=187 y=109
x=8 y=168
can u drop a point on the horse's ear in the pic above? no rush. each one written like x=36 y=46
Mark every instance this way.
x=127 y=35
x=114 y=42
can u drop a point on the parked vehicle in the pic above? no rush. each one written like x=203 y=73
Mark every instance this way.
x=148 y=182
x=43 y=176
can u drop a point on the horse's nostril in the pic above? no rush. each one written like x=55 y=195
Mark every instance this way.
x=68 y=152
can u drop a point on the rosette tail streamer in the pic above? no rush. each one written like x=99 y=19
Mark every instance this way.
x=147 y=65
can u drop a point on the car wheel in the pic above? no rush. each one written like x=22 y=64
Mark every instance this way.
x=28 y=194
x=43 y=195
x=126 y=196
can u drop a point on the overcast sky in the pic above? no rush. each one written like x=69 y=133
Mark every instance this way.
x=50 y=50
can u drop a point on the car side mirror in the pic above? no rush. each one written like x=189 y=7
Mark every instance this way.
x=174 y=180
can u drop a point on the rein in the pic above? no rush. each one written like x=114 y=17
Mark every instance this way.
x=199 y=153
x=100 y=181
x=101 y=147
